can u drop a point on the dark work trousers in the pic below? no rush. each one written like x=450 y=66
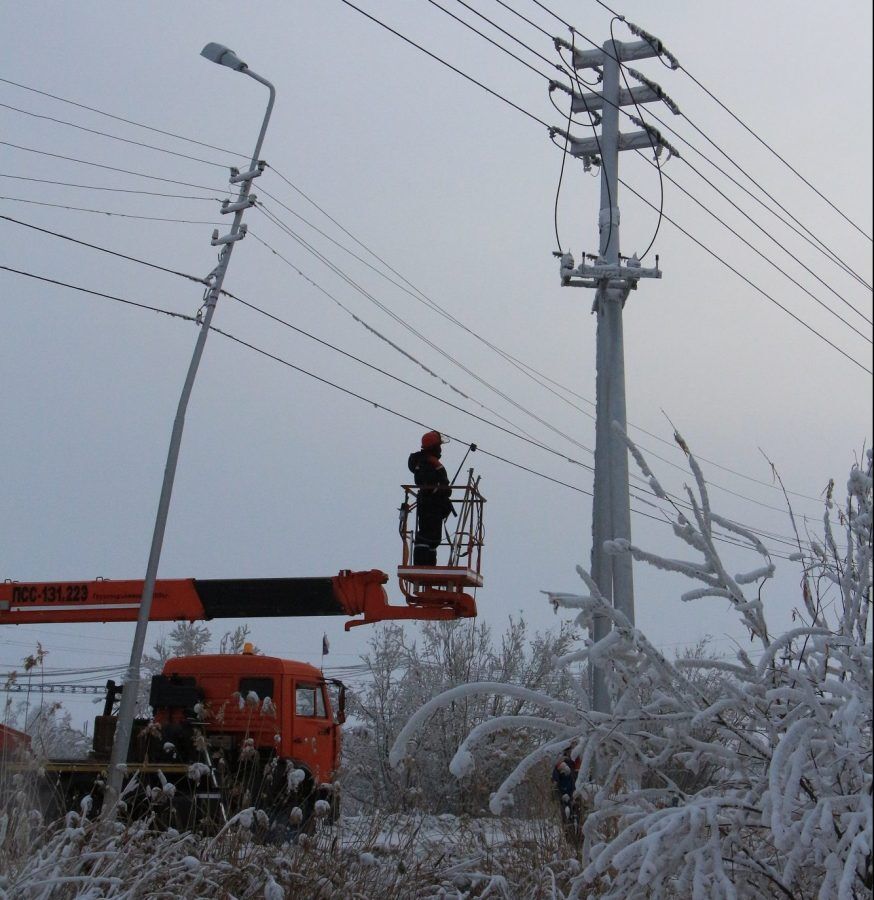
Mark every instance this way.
x=429 y=532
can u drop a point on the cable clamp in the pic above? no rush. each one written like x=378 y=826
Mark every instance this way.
x=237 y=176
x=228 y=207
x=228 y=238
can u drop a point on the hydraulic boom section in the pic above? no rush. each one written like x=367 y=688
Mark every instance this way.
x=192 y=599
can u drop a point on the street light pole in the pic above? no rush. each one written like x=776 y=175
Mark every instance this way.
x=223 y=56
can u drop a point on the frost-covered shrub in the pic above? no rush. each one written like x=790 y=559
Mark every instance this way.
x=785 y=808
x=405 y=674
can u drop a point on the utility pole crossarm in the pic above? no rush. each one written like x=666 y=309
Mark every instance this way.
x=590 y=102
x=595 y=58
x=635 y=140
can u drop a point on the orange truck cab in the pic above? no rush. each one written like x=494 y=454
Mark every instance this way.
x=285 y=708
x=237 y=731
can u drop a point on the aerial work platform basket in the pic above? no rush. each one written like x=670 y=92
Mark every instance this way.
x=444 y=585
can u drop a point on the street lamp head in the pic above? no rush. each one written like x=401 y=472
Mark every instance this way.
x=220 y=54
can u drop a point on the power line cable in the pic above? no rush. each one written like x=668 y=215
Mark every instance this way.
x=160 y=131
x=113 y=137
x=765 y=144
x=509 y=34
x=403 y=416
x=524 y=18
x=86 y=162
x=100 y=187
x=136 y=259
x=106 y=212
x=771 y=237
x=405 y=383
x=394 y=346
x=448 y=65
x=523 y=367
x=553 y=14
x=331 y=384
x=767 y=258
x=770 y=196
x=751 y=283
x=109 y=115
x=373 y=299
x=485 y=37
x=563 y=456
x=801 y=232
x=530 y=115
x=404 y=324
x=205 y=188
x=74 y=287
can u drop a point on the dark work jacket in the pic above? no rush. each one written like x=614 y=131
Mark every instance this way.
x=433 y=484
x=566 y=782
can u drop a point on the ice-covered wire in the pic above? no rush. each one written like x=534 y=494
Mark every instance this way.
x=750 y=282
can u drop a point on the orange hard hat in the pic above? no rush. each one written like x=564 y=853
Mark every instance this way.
x=433 y=439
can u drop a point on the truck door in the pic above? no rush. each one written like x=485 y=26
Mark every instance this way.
x=312 y=744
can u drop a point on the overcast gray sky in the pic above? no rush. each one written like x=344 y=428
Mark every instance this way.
x=281 y=475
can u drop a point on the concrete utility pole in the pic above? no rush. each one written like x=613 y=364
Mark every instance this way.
x=223 y=56
x=612 y=277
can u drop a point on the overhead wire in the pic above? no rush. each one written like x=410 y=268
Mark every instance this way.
x=74 y=287
x=109 y=115
x=113 y=137
x=115 y=190
x=774 y=240
x=406 y=325
x=107 y=212
x=829 y=252
x=317 y=206
x=201 y=143
x=751 y=283
x=485 y=37
x=347 y=391
x=771 y=197
x=767 y=258
x=198 y=280
x=421 y=424
x=764 y=293
x=140 y=173
x=136 y=259
x=563 y=158
x=794 y=225
x=765 y=144
x=660 y=211
x=524 y=18
x=86 y=162
x=748 y=281
x=448 y=65
x=523 y=367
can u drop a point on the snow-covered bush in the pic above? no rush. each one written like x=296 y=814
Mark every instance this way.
x=404 y=674
x=785 y=808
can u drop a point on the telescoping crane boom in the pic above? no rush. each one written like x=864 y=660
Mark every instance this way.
x=432 y=593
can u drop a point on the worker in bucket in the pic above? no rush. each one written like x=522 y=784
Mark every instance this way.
x=434 y=503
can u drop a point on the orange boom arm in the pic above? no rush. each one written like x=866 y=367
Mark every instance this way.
x=191 y=599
